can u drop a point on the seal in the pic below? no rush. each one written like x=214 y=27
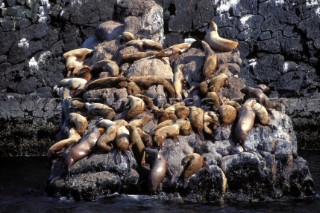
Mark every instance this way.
x=185 y=126
x=80 y=53
x=85 y=73
x=83 y=147
x=233 y=103
x=106 y=65
x=214 y=100
x=146 y=138
x=122 y=138
x=245 y=122
x=145 y=82
x=107 y=82
x=182 y=112
x=127 y=36
x=227 y=114
x=173 y=51
x=80 y=122
x=264 y=88
x=158 y=170
x=216 y=42
x=75 y=85
x=258 y=94
x=104 y=142
x=132 y=57
x=148 y=101
x=162 y=124
x=100 y=109
x=144 y=44
x=178 y=79
x=217 y=82
x=56 y=149
x=76 y=104
x=196 y=120
x=210 y=122
x=191 y=163
x=137 y=144
x=141 y=122
x=261 y=113
x=211 y=63
x=136 y=107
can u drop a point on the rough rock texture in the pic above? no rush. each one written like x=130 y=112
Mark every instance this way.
x=279 y=46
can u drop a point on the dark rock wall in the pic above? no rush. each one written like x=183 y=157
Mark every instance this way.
x=279 y=45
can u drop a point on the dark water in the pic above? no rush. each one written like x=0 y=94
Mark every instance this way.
x=22 y=183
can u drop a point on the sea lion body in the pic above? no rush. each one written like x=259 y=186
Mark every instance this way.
x=106 y=65
x=83 y=148
x=141 y=122
x=261 y=113
x=228 y=114
x=217 y=82
x=158 y=171
x=122 y=138
x=107 y=82
x=246 y=117
x=137 y=106
x=171 y=131
x=144 y=44
x=177 y=81
x=211 y=62
x=182 y=112
x=100 y=109
x=192 y=163
x=214 y=100
x=73 y=138
x=258 y=94
x=79 y=121
x=196 y=119
x=216 y=42
x=137 y=144
x=132 y=57
x=76 y=85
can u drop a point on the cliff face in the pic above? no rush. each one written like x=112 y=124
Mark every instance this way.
x=279 y=46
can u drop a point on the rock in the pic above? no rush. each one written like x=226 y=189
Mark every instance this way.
x=109 y=30
x=150 y=66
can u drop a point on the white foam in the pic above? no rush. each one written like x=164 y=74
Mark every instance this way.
x=285 y=66
x=311 y=3
x=33 y=66
x=253 y=62
x=318 y=11
x=244 y=19
x=43 y=57
x=279 y=2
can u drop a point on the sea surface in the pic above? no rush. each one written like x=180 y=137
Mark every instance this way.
x=23 y=180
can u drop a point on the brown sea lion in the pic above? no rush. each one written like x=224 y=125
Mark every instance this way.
x=178 y=80
x=210 y=122
x=146 y=138
x=158 y=170
x=204 y=87
x=162 y=124
x=76 y=104
x=127 y=36
x=132 y=57
x=100 y=109
x=213 y=100
x=173 y=51
x=182 y=112
x=122 y=138
x=191 y=163
x=107 y=82
x=144 y=44
x=185 y=126
x=264 y=88
x=245 y=122
x=258 y=94
x=148 y=101
x=139 y=123
x=211 y=63
x=75 y=85
x=216 y=42
x=233 y=103
x=83 y=147
x=145 y=82
x=196 y=119
x=217 y=82
x=80 y=122
x=137 y=144
x=105 y=140
x=261 y=113
x=80 y=53
x=85 y=73
x=227 y=114
x=106 y=65
x=171 y=131
x=56 y=149
x=136 y=107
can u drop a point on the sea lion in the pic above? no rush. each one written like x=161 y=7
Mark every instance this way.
x=85 y=73
x=164 y=115
x=100 y=109
x=132 y=88
x=137 y=144
x=106 y=65
x=132 y=57
x=146 y=138
x=80 y=122
x=144 y=44
x=55 y=149
x=76 y=104
x=211 y=63
x=127 y=36
x=204 y=87
x=145 y=82
x=107 y=82
x=173 y=51
x=80 y=53
x=191 y=163
x=196 y=119
x=264 y=88
x=105 y=140
x=217 y=82
x=136 y=107
x=233 y=103
x=182 y=112
x=105 y=123
x=158 y=170
x=216 y=42
x=83 y=147
x=148 y=101
x=245 y=122
x=214 y=100
x=185 y=126
x=178 y=79
x=210 y=122
x=75 y=85
x=122 y=138
x=139 y=123
x=171 y=131
x=227 y=114
x=73 y=66
x=258 y=94
x=261 y=113
x=162 y=124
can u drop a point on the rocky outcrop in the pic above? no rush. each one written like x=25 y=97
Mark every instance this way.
x=273 y=35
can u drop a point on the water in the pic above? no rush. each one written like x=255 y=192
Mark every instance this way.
x=22 y=183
